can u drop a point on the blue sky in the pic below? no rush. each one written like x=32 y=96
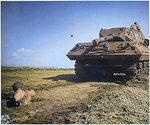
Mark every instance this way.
x=38 y=34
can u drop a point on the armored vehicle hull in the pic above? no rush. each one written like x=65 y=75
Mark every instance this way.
x=116 y=51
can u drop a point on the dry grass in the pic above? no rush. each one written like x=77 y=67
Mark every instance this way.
x=38 y=79
x=33 y=78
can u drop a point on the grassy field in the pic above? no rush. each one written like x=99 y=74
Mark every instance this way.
x=33 y=78
x=59 y=92
x=38 y=79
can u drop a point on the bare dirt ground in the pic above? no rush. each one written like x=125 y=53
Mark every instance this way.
x=71 y=94
x=97 y=103
x=61 y=98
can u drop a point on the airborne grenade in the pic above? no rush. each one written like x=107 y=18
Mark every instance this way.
x=116 y=51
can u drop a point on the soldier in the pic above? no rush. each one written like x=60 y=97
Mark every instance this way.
x=21 y=95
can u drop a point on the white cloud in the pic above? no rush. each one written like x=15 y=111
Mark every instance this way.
x=22 y=52
x=16 y=55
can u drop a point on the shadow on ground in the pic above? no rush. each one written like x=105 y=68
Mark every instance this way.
x=74 y=78
x=8 y=103
x=12 y=103
x=67 y=77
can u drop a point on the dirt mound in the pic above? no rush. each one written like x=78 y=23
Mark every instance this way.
x=127 y=105
x=115 y=104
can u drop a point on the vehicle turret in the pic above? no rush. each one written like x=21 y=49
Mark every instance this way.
x=133 y=33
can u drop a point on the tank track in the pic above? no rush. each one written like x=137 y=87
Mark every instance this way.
x=141 y=68
x=88 y=73
x=80 y=72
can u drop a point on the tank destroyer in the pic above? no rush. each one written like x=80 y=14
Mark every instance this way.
x=116 y=51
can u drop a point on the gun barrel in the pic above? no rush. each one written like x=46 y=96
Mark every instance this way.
x=102 y=39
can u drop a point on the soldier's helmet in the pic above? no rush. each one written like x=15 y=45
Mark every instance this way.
x=17 y=85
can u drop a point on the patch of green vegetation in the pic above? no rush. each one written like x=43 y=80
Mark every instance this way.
x=27 y=68
x=32 y=78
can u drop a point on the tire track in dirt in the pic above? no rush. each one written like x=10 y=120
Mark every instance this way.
x=70 y=95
